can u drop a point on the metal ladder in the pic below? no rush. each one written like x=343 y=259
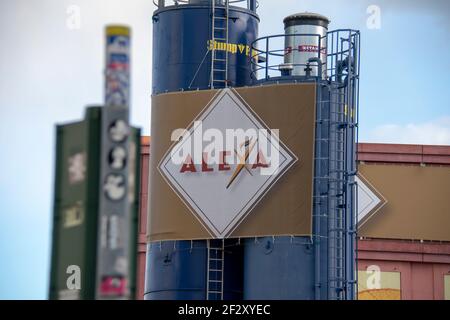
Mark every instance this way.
x=334 y=181
x=219 y=33
x=337 y=195
x=216 y=255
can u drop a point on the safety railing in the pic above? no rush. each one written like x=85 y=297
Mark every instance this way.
x=331 y=60
x=246 y=4
x=269 y=55
x=333 y=53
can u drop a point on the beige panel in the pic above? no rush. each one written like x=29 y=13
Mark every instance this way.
x=286 y=209
x=418 y=202
x=379 y=286
x=447 y=287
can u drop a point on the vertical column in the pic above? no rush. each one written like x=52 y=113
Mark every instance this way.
x=117 y=71
x=114 y=254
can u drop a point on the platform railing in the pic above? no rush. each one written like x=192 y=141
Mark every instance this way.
x=246 y=4
x=341 y=48
x=335 y=196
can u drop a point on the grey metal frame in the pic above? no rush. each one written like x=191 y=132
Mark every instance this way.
x=250 y=4
x=337 y=116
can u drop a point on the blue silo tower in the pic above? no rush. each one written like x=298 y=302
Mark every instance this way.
x=210 y=44
x=198 y=45
x=320 y=266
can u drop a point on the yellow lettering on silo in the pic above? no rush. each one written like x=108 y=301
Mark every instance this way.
x=233 y=48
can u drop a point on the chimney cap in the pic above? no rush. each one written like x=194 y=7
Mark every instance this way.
x=306 y=18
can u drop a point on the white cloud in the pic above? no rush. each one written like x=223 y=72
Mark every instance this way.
x=435 y=132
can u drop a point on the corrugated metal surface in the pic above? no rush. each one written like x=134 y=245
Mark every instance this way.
x=404 y=153
x=422 y=266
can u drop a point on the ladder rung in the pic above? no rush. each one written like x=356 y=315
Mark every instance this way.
x=216 y=281
x=215 y=270
x=220 y=26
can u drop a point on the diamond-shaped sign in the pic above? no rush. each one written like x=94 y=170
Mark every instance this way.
x=222 y=193
x=370 y=200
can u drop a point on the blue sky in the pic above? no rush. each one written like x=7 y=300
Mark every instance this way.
x=49 y=73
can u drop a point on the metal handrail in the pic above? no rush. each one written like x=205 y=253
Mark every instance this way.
x=342 y=69
x=274 y=53
x=183 y=2
x=338 y=45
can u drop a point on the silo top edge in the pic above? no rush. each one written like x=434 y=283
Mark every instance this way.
x=197 y=6
x=306 y=18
